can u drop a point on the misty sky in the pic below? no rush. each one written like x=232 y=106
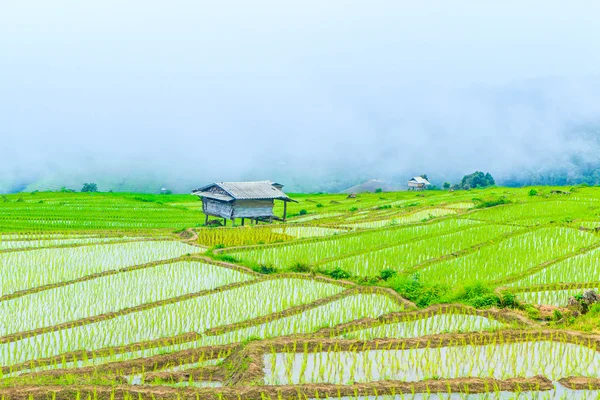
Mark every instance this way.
x=198 y=91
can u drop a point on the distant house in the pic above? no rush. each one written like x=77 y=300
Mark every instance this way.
x=252 y=200
x=418 y=183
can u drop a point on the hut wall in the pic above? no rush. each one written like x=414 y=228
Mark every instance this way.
x=253 y=208
x=217 y=208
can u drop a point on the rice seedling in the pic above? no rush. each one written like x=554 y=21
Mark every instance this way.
x=431 y=325
x=307 y=231
x=404 y=219
x=37 y=243
x=100 y=302
x=510 y=258
x=580 y=268
x=337 y=246
x=97 y=296
x=193 y=315
x=341 y=311
x=558 y=298
x=461 y=205
x=539 y=212
x=498 y=360
x=29 y=269
x=402 y=257
x=99 y=211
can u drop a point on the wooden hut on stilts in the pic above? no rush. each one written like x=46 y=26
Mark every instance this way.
x=243 y=200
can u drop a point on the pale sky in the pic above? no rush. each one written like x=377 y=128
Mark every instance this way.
x=225 y=90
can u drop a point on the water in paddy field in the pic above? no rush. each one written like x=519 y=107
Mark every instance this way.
x=502 y=361
x=558 y=393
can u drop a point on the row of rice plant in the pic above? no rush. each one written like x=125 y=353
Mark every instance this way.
x=26 y=236
x=554 y=360
x=193 y=315
x=404 y=219
x=315 y=251
x=306 y=231
x=540 y=212
x=558 y=298
x=455 y=322
x=312 y=217
x=511 y=257
x=111 y=294
x=341 y=311
x=581 y=268
x=33 y=268
x=37 y=243
x=402 y=257
x=465 y=205
x=249 y=235
x=589 y=224
x=240 y=236
x=72 y=211
x=344 y=310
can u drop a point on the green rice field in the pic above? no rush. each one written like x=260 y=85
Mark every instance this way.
x=401 y=295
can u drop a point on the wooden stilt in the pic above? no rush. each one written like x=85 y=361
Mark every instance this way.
x=243 y=221
x=224 y=221
x=284 y=210
x=206 y=220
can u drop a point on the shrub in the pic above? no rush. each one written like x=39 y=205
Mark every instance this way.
x=532 y=312
x=300 y=267
x=509 y=300
x=264 y=269
x=422 y=294
x=484 y=301
x=478 y=295
x=557 y=315
x=338 y=273
x=378 y=190
x=319 y=205
x=491 y=202
x=387 y=274
x=226 y=258
x=303 y=212
x=533 y=192
x=594 y=309
x=352 y=209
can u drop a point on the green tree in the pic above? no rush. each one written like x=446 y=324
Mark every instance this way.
x=477 y=180
x=378 y=190
x=89 y=187
x=446 y=185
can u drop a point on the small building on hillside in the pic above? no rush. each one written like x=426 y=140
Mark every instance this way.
x=418 y=183
x=251 y=200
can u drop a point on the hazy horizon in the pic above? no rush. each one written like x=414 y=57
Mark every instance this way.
x=189 y=92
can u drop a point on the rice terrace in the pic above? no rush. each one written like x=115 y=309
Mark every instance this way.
x=446 y=294
x=299 y=200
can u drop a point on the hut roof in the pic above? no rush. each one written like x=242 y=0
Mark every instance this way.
x=419 y=179
x=262 y=190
